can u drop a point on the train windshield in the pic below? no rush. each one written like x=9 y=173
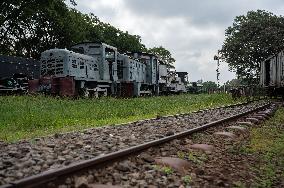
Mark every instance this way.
x=110 y=54
x=78 y=50
x=94 y=50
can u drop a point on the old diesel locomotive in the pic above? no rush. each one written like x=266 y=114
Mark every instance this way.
x=97 y=69
x=272 y=74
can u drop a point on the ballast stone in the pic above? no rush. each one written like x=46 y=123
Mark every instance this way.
x=147 y=158
x=124 y=166
x=102 y=186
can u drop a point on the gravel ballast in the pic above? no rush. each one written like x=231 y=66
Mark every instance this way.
x=224 y=166
x=26 y=158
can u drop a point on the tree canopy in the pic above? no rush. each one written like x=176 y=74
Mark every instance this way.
x=164 y=54
x=209 y=85
x=29 y=27
x=251 y=39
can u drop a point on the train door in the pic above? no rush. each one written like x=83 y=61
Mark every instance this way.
x=267 y=73
x=273 y=72
x=281 y=66
x=86 y=69
x=111 y=59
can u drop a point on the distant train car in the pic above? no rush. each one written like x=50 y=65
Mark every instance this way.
x=272 y=74
x=15 y=73
x=10 y=65
x=151 y=84
x=173 y=82
x=132 y=76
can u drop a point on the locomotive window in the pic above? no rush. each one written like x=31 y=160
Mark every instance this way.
x=110 y=55
x=74 y=64
x=82 y=65
x=94 y=50
x=43 y=72
x=59 y=60
x=81 y=50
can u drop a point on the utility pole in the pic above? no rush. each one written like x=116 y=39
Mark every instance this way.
x=217 y=57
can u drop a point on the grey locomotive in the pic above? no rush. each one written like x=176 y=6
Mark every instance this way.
x=96 y=69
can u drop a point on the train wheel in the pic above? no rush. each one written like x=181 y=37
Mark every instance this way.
x=85 y=93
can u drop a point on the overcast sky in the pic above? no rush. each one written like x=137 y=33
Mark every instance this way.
x=193 y=30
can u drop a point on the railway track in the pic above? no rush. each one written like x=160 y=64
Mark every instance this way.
x=119 y=153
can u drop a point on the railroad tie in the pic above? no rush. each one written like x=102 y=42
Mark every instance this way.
x=179 y=165
x=253 y=120
x=237 y=128
x=228 y=135
x=203 y=147
x=246 y=123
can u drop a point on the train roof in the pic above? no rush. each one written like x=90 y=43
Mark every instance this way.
x=272 y=56
x=142 y=53
x=100 y=43
x=127 y=56
x=182 y=73
x=67 y=52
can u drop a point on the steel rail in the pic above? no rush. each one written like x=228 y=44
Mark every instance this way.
x=55 y=174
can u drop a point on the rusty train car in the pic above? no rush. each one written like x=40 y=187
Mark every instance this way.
x=97 y=69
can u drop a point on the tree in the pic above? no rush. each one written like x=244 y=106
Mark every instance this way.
x=209 y=85
x=250 y=40
x=164 y=54
x=233 y=83
x=32 y=26
x=29 y=27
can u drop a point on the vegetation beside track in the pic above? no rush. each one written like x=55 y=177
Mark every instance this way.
x=267 y=142
x=24 y=117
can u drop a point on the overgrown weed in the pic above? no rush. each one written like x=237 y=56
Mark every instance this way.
x=25 y=117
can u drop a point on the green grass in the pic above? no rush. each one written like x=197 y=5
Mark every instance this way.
x=165 y=169
x=24 y=117
x=187 y=179
x=268 y=144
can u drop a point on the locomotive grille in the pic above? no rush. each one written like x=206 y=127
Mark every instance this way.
x=120 y=69
x=51 y=67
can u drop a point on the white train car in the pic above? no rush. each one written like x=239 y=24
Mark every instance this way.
x=272 y=74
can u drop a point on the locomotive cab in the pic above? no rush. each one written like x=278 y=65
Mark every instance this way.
x=106 y=56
